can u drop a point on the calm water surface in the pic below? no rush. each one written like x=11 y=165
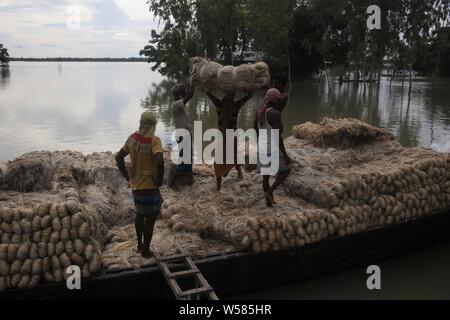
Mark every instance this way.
x=94 y=106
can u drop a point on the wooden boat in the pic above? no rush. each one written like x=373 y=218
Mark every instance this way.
x=243 y=272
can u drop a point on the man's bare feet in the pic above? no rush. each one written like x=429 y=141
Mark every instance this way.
x=147 y=254
x=139 y=248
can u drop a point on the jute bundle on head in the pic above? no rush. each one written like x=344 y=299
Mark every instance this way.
x=210 y=76
x=245 y=77
x=262 y=76
x=226 y=81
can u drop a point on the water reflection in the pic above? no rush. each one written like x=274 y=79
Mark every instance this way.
x=421 y=119
x=5 y=74
x=95 y=106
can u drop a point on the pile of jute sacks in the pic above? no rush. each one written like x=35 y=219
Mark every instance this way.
x=356 y=204
x=41 y=242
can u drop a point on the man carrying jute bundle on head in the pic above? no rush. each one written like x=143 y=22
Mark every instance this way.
x=227 y=115
x=145 y=178
x=268 y=118
x=181 y=96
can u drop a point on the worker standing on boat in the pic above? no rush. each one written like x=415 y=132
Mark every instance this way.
x=227 y=114
x=181 y=97
x=269 y=118
x=145 y=178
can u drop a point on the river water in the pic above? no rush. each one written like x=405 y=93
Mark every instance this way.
x=95 y=106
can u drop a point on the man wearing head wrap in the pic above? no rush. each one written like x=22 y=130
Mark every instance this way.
x=181 y=97
x=268 y=117
x=145 y=178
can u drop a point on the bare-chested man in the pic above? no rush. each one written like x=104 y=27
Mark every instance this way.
x=227 y=114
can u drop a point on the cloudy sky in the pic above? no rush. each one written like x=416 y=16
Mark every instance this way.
x=75 y=28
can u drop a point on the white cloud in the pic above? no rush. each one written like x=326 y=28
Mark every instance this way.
x=38 y=28
x=135 y=9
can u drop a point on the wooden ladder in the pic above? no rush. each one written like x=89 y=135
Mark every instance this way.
x=202 y=286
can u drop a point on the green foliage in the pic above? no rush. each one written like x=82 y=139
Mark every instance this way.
x=308 y=33
x=211 y=27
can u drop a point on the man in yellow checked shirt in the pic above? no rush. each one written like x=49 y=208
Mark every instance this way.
x=145 y=178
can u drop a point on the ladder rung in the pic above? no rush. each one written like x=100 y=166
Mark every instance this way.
x=171 y=277
x=171 y=258
x=196 y=291
x=181 y=274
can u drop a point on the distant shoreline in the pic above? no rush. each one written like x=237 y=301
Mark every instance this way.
x=78 y=59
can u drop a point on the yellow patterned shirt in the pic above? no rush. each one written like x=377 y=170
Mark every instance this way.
x=142 y=151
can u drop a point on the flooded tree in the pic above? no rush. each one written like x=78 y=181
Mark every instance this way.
x=4 y=56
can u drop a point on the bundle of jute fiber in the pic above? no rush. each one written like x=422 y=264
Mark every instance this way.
x=195 y=66
x=287 y=231
x=208 y=76
x=226 y=81
x=262 y=76
x=39 y=243
x=96 y=223
x=245 y=77
x=229 y=229
x=183 y=217
x=3 y=169
x=211 y=76
x=30 y=172
x=340 y=133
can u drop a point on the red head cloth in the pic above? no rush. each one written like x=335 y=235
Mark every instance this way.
x=272 y=95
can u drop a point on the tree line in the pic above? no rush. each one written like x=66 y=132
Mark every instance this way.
x=75 y=59
x=303 y=36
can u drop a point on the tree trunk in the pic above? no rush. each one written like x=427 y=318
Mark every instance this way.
x=410 y=82
x=328 y=80
x=379 y=74
x=289 y=72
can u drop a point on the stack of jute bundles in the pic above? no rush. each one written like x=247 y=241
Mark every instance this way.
x=377 y=199
x=287 y=231
x=211 y=76
x=40 y=242
x=356 y=204
x=382 y=183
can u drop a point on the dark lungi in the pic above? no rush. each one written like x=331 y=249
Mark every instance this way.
x=148 y=202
